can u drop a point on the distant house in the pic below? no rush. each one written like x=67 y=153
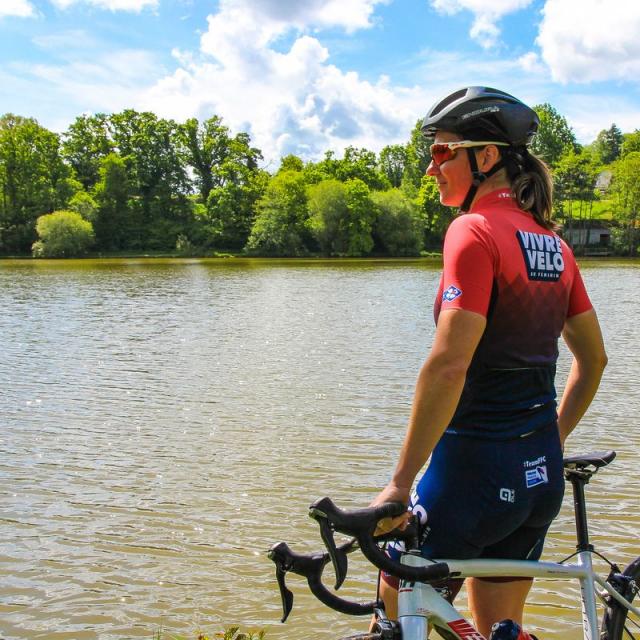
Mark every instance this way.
x=603 y=181
x=588 y=237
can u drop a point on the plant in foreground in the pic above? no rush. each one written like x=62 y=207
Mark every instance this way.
x=232 y=633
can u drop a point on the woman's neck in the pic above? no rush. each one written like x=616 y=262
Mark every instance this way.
x=492 y=183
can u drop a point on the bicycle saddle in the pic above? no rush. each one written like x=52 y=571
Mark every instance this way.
x=597 y=459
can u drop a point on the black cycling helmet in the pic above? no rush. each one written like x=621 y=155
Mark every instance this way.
x=488 y=110
x=483 y=113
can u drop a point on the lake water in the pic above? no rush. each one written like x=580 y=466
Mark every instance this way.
x=165 y=422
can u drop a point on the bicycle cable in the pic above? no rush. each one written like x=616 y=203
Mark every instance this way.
x=612 y=565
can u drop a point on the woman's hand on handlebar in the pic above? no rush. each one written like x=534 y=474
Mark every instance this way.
x=392 y=493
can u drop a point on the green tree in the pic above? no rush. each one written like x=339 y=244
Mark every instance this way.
x=85 y=143
x=418 y=157
x=291 y=162
x=216 y=157
x=574 y=181
x=315 y=172
x=157 y=177
x=436 y=215
x=115 y=226
x=625 y=188
x=608 y=144
x=554 y=136
x=327 y=209
x=361 y=211
x=228 y=181
x=631 y=143
x=341 y=217
x=62 y=234
x=399 y=225
x=33 y=180
x=230 y=210
x=81 y=202
x=393 y=163
x=279 y=228
x=357 y=163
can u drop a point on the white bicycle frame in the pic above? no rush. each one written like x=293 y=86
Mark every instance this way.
x=420 y=606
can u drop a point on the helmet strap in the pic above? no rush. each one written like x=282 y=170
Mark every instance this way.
x=478 y=178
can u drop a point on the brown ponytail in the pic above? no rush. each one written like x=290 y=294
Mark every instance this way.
x=531 y=184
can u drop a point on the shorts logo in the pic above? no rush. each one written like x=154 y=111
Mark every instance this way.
x=537 y=475
x=507 y=495
x=451 y=294
x=542 y=255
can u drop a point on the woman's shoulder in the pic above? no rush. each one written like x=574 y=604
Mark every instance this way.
x=475 y=223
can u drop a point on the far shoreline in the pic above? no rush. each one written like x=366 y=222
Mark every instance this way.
x=230 y=259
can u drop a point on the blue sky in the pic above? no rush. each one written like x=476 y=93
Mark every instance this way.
x=304 y=76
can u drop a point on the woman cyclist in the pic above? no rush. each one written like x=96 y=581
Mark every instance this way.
x=485 y=402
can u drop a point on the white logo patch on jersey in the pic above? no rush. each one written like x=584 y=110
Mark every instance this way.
x=451 y=293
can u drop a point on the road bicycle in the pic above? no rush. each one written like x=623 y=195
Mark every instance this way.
x=422 y=602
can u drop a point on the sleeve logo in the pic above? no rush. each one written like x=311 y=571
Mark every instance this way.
x=451 y=293
x=542 y=255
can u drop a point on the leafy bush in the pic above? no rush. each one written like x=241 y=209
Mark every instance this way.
x=279 y=228
x=341 y=217
x=400 y=223
x=63 y=234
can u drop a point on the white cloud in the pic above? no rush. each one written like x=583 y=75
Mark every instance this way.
x=591 y=40
x=66 y=43
x=530 y=63
x=588 y=114
x=100 y=82
x=18 y=8
x=284 y=14
x=291 y=101
x=487 y=14
x=111 y=5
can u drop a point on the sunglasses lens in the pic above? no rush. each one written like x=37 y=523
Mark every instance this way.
x=441 y=153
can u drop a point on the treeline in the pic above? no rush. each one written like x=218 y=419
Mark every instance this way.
x=131 y=182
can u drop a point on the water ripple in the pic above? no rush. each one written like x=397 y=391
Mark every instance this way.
x=165 y=423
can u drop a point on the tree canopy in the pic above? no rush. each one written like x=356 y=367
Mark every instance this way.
x=150 y=184
x=554 y=137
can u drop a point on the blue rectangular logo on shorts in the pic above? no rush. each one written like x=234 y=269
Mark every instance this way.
x=536 y=476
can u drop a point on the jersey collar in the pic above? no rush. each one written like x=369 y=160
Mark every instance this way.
x=498 y=198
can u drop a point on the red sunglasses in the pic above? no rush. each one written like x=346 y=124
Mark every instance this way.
x=444 y=151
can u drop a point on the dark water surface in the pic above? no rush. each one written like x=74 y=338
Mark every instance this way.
x=164 y=422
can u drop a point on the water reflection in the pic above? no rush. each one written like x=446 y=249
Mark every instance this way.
x=164 y=423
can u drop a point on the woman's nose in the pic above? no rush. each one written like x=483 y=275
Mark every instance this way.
x=433 y=169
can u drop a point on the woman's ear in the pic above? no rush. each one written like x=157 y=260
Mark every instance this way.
x=489 y=156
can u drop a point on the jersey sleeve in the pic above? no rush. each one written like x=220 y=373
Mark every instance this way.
x=468 y=271
x=579 y=301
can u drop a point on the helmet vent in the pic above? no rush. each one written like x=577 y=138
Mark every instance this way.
x=447 y=101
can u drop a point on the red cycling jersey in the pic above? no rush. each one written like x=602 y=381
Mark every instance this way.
x=524 y=279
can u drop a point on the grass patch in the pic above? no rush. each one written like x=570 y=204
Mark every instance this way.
x=232 y=633
x=600 y=210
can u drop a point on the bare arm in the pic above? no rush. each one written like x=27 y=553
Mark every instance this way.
x=438 y=390
x=584 y=339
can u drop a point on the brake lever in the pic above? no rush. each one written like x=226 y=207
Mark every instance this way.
x=285 y=560
x=338 y=558
x=310 y=566
x=285 y=594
